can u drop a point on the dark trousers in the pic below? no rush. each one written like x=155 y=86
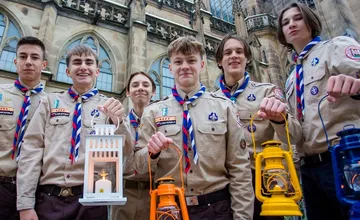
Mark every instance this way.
x=319 y=192
x=258 y=204
x=8 y=201
x=52 y=207
x=217 y=211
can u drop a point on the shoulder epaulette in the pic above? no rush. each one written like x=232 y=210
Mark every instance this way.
x=257 y=84
x=59 y=91
x=217 y=96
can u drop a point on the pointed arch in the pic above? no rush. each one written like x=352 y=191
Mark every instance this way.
x=160 y=73
x=10 y=33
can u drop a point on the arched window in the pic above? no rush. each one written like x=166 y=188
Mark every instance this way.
x=9 y=37
x=222 y=9
x=105 y=78
x=164 y=80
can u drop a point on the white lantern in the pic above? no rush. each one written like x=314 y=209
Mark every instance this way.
x=103 y=148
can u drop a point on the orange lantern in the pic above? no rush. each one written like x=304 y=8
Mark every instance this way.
x=162 y=204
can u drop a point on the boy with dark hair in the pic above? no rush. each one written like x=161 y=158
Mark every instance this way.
x=18 y=102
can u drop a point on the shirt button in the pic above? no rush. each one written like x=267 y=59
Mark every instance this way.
x=0 y=126
x=57 y=120
x=189 y=149
x=165 y=131
x=191 y=171
x=213 y=129
x=191 y=190
x=68 y=176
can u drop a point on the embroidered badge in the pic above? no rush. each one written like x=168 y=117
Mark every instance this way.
x=6 y=111
x=92 y=132
x=59 y=112
x=315 y=61
x=160 y=121
x=353 y=52
x=251 y=98
x=56 y=104
x=164 y=111
x=253 y=128
x=95 y=112
x=314 y=90
x=279 y=94
x=213 y=116
x=243 y=144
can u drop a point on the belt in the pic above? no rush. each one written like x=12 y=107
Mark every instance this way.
x=61 y=191
x=6 y=179
x=316 y=158
x=131 y=184
x=209 y=198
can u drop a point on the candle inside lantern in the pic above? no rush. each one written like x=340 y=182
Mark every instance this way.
x=103 y=185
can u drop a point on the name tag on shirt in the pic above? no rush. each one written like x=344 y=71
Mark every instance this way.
x=169 y=120
x=59 y=112
x=6 y=111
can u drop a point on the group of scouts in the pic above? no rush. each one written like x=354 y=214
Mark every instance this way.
x=42 y=169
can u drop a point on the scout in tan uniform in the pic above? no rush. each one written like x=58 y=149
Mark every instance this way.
x=322 y=67
x=53 y=152
x=205 y=128
x=24 y=94
x=232 y=55
x=140 y=88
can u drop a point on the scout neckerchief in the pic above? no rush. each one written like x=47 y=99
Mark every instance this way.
x=226 y=91
x=187 y=125
x=300 y=76
x=134 y=123
x=20 y=125
x=75 y=137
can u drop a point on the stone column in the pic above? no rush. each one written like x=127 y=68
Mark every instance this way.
x=239 y=17
x=46 y=32
x=136 y=60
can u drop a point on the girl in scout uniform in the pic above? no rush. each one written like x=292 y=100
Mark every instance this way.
x=322 y=67
x=140 y=88
x=232 y=56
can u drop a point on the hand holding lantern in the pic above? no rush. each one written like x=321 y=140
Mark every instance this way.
x=281 y=183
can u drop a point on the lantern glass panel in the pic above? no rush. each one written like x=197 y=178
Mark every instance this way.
x=276 y=180
x=352 y=175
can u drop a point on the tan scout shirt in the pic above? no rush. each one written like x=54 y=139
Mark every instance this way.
x=11 y=101
x=337 y=56
x=248 y=103
x=221 y=160
x=44 y=156
x=129 y=172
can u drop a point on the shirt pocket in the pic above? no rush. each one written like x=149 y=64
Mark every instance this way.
x=315 y=86
x=58 y=129
x=173 y=132
x=7 y=131
x=211 y=134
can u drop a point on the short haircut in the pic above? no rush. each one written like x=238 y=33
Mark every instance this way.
x=311 y=20
x=187 y=45
x=219 y=54
x=31 y=41
x=140 y=73
x=80 y=50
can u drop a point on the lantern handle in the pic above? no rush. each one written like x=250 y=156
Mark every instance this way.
x=174 y=146
x=322 y=121
x=286 y=130
x=106 y=122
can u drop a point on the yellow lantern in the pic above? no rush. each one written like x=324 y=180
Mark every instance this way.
x=167 y=208
x=279 y=178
